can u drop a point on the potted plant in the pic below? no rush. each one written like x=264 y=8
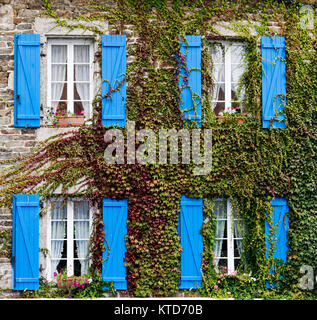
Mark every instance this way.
x=63 y=281
x=62 y=118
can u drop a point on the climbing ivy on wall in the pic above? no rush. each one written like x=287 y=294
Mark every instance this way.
x=249 y=163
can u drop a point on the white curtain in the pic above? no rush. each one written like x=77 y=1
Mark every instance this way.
x=237 y=67
x=58 y=73
x=81 y=212
x=81 y=56
x=217 y=54
x=220 y=210
x=58 y=231
x=238 y=233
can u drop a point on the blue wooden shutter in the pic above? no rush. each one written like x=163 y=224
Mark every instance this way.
x=26 y=80
x=25 y=241
x=273 y=81
x=113 y=70
x=190 y=223
x=281 y=220
x=190 y=102
x=115 y=214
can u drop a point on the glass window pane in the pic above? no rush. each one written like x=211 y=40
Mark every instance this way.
x=218 y=92
x=57 y=247
x=59 y=91
x=220 y=209
x=59 y=54
x=237 y=263
x=218 y=107
x=218 y=72
x=81 y=91
x=58 y=210
x=223 y=263
x=236 y=72
x=81 y=267
x=81 y=230
x=81 y=53
x=237 y=248
x=81 y=210
x=81 y=72
x=238 y=228
x=217 y=52
x=235 y=94
x=58 y=229
x=237 y=54
x=59 y=72
x=81 y=248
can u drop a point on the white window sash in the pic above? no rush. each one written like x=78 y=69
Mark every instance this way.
x=70 y=239
x=228 y=68
x=70 y=43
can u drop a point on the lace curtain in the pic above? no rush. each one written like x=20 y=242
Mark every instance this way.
x=58 y=73
x=81 y=73
x=58 y=233
x=81 y=226
x=220 y=210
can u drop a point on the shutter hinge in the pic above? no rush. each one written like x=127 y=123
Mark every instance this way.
x=13 y=260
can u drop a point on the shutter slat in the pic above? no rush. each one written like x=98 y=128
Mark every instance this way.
x=190 y=223
x=273 y=81
x=27 y=80
x=193 y=61
x=25 y=242
x=113 y=69
x=115 y=213
x=281 y=220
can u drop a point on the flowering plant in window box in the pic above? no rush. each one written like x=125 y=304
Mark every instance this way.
x=62 y=118
x=234 y=115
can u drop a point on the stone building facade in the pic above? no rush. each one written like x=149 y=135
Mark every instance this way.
x=19 y=16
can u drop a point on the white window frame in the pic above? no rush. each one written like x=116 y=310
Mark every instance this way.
x=229 y=237
x=70 y=237
x=70 y=42
x=227 y=62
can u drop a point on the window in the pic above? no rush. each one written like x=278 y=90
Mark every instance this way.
x=70 y=73
x=69 y=233
x=229 y=235
x=228 y=66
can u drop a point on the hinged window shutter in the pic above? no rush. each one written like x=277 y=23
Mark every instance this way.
x=190 y=223
x=273 y=81
x=115 y=215
x=26 y=80
x=190 y=102
x=25 y=241
x=281 y=220
x=113 y=71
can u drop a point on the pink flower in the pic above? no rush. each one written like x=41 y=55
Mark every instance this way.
x=244 y=114
x=56 y=114
x=83 y=112
x=214 y=261
x=63 y=112
x=219 y=281
x=237 y=108
x=55 y=274
x=54 y=124
x=216 y=287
